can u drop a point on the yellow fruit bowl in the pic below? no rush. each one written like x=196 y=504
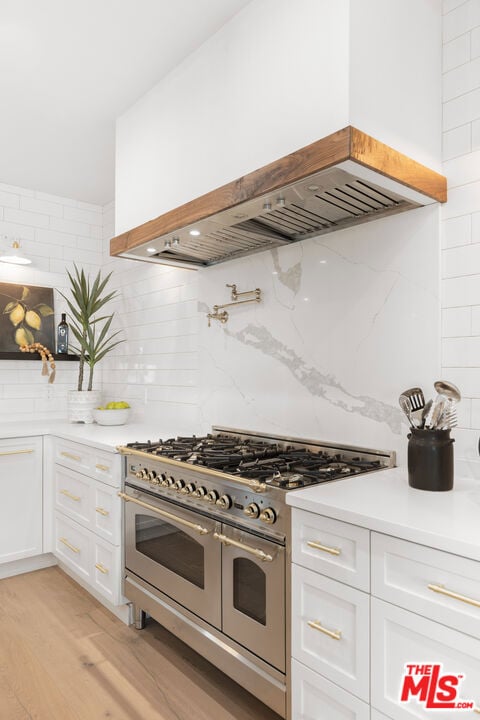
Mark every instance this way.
x=111 y=417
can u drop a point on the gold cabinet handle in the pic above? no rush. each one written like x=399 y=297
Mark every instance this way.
x=102 y=511
x=70 y=547
x=102 y=467
x=442 y=590
x=102 y=569
x=193 y=526
x=70 y=456
x=324 y=548
x=253 y=551
x=16 y=452
x=476 y=710
x=317 y=625
x=77 y=498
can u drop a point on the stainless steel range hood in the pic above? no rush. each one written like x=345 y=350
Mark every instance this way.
x=339 y=181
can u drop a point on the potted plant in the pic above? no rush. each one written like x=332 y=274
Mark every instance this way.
x=91 y=332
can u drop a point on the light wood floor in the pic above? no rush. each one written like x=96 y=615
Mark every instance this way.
x=63 y=656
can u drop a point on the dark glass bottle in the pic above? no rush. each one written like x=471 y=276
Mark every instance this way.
x=62 y=336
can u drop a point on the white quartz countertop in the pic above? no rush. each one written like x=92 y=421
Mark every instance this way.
x=102 y=437
x=383 y=501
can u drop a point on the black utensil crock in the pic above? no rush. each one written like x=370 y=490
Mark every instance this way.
x=430 y=460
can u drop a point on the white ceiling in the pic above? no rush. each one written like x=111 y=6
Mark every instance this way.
x=68 y=68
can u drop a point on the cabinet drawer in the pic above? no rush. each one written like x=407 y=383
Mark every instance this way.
x=400 y=637
x=95 y=561
x=73 y=546
x=106 y=512
x=73 y=455
x=330 y=630
x=315 y=698
x=106 y=570
x=97 y=464
x=331 y=547
x=418 y=578
x=72 y=494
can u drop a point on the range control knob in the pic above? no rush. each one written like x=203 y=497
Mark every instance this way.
x=252 y=510
x=224 y=502
x=188 y=489
x=170 y=482
x=268 y=516
x=144 y=474
x=152 y=477
x=139 y=474
x=200 y=492
x=179 y=485
x=212 y=496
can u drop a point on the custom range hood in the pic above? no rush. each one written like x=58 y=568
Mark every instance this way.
x=344 y=179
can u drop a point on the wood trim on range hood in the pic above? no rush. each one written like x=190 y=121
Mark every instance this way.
x=365 y=171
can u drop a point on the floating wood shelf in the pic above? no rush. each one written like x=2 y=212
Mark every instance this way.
x=17 y=355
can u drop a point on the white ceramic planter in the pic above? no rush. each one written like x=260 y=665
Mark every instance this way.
x=81 y=403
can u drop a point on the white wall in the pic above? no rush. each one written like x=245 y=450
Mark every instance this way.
x=54 y=232
x=461 y=220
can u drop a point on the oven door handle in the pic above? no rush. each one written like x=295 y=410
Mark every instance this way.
x=253 y=551
x=193 y=526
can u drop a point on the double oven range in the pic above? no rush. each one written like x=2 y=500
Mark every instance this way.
x=207 y=542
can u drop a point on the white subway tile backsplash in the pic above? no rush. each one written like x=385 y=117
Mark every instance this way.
x=456 y=322
x=461 y=261
x=462 y=200
x=457 y=142
x=461 y=80
x=24 y=217
x=461 y=19
x=456 y=231
x=461 y=291
x=462 y=170
x=476 y=135
x=476 y=320
x=38 y=205
x=460 y=352
x=7 y=199
x=461 y=110
x=89 y=215
x=449 y=5
x=69 y=226
x=456 y=52
x=475 y=42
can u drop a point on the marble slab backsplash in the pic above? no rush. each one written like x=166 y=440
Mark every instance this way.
x=347 y=321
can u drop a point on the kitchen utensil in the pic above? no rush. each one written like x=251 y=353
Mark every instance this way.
x=404 y=403
x=437 y=408
x=448 y=418
x=425 y=412
x=449 y=390
x=415 y=398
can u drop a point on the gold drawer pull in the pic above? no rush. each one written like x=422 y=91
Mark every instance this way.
x=102 y=569
x=70 y=456
x=102 y=511
x=441 y=589
x=325 y=548
x=476 y=710
x=317 y=625
x=70 y=547
x=77 y=498
x=102 y=467
x=16 y=452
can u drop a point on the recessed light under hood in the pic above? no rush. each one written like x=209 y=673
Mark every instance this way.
x=339 y=181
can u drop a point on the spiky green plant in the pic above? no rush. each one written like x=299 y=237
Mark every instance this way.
x=93 y=340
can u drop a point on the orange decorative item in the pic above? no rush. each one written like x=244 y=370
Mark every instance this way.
x=45 y=355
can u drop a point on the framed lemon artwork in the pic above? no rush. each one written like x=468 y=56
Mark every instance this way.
x=26 y=316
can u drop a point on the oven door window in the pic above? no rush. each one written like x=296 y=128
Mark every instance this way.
x=250 y=589
x=170 y=547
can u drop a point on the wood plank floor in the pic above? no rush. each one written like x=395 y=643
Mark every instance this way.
x=63 y=656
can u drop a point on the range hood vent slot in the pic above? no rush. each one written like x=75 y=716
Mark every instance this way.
x=342 y=180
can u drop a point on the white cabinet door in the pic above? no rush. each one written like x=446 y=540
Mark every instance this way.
x=399 y=638
x=21 y=501
x=315 y=698
x=330 y=630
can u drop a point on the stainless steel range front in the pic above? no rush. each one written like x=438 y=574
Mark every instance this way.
x=207 y=543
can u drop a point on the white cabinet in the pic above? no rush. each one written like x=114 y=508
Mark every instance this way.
x=330 y=619
x=399 y=638
x=87 y=524
x=330 y=630
x=21 y=504
x=318 y=699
